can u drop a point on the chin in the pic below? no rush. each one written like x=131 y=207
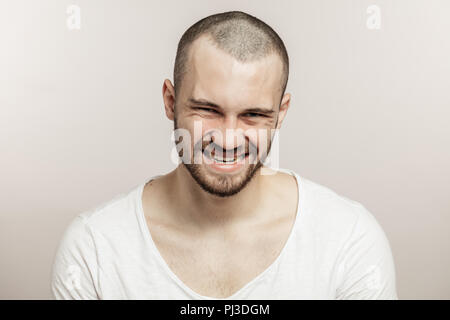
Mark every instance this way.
x=222 y=184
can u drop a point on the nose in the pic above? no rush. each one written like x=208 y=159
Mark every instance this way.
x=228 y=135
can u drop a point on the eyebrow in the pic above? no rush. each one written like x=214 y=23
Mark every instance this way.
x=206 y=103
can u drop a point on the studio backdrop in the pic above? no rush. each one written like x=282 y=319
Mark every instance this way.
x=82 y=117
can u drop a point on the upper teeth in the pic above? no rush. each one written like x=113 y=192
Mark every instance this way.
x=228 y=159
x=224 y=159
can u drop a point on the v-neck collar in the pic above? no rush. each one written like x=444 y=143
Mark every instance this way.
x=260 y=276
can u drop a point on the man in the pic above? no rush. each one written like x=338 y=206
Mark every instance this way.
x=222 y=224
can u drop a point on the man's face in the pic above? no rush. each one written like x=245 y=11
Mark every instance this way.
x=236 y=105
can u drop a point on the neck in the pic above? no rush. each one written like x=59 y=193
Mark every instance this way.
x=204 y=210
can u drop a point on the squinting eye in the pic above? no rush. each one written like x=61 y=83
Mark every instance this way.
x=208 y=110
x=253 y=115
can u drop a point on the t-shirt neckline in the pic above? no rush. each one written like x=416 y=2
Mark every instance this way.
x=145 y=230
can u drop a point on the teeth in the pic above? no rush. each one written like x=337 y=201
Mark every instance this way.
x=216 y=158
x=224 y=159
x=228 y=160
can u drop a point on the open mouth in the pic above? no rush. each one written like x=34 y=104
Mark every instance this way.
x=224 y=160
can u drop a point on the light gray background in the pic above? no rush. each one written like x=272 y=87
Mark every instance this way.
x=82 y=119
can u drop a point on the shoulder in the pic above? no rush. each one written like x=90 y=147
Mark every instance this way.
x=104 y=219
x=76 y=266
x=113 y=214
x=110 y=223
x=331 y=215
x=328 y=206
x=349 y=236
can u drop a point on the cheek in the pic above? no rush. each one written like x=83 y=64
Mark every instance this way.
x=209 y=124
x=200 y=130
x=264 y=140
x=270 y=123
x=208 y=130
x=259 y=136
x=195 y=124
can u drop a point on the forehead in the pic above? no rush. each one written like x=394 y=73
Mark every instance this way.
x=215 y=75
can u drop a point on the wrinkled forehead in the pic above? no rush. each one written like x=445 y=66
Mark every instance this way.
x=214 y=74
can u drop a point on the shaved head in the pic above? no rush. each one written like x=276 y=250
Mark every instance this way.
x=244 y=37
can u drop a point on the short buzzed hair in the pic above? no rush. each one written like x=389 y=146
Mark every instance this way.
x=244 y=37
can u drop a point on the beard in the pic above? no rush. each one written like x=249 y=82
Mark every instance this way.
x=221 y=185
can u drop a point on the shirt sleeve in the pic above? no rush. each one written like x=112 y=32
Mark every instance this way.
x=75 y=269
x=367 y=265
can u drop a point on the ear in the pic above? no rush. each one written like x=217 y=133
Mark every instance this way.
x=168 y=93
x=285 y=102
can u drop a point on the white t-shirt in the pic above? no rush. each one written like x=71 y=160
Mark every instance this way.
x=336 y=250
